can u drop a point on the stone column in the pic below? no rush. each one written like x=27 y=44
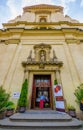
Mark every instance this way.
x=26 y=73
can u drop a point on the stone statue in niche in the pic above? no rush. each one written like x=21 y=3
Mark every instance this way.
x=42 y=56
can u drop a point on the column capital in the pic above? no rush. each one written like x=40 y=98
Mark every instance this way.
x=57 y=75
x=57 y=70
x=12 y=41
x=72 y=41
x=26 y=73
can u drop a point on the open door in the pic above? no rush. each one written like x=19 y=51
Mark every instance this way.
x=42 y=85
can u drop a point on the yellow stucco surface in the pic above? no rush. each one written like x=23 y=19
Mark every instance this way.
x=64 y=39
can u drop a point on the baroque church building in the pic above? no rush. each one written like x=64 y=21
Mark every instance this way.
x=42 y=45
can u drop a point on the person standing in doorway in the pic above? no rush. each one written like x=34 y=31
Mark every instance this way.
x=42 y=99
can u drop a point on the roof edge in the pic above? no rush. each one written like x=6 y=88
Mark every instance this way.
x=42 y=6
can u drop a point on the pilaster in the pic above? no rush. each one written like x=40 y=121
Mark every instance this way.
x=57 y=75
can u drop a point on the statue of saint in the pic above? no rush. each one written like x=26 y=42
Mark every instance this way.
x=42 y=56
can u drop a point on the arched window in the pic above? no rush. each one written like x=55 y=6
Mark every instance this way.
x=42 y=20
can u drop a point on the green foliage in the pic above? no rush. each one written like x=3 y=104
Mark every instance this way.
x=4 y=97
x=10 y=105
x=46 y=105
x=79 y=93
x=55 y=82
x=22 y=102
x=70 y=107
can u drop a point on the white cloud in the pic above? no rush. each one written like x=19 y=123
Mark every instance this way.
x=65 y=4
x=81 y=3
x=16 y=10
x=12 y=7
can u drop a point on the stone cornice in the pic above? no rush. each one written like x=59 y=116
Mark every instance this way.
x=65 y=32
x=43 y=7
x=72 y=41
x=48 y=69
x=47 y=23
x=43 y=11
x=12 y=41
x=32 y=63
x=42 y=45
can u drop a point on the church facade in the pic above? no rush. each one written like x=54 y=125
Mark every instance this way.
x=42 y=45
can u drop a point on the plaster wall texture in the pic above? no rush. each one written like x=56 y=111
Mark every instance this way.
x=67 y=43
x=12 y=72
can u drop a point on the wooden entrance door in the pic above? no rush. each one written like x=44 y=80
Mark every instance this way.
x=41 y=85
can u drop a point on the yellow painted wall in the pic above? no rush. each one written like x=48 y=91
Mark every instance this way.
x=66 y=40
x=12 y=72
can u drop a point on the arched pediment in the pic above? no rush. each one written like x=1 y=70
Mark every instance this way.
x=42 y=52
x=42 y=45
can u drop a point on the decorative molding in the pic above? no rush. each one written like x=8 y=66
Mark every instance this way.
x=42 y=46
x=51 y=23
x=12 y=41
x=47 y=69
x=43 y=11
x=42 y=62
x=58 y=63
x=72 y=41
x=43 y=7
x=81 y=41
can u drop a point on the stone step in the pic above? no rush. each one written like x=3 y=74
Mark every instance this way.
x=40 y=117
x=40 y=120
x=38 y=125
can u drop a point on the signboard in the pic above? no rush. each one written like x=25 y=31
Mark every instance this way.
x=16 y=95
x=59 y=105
x=58 y=95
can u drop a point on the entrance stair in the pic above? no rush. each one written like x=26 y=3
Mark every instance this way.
x=41 y=120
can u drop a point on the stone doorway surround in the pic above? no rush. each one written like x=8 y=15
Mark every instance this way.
x=42 y=63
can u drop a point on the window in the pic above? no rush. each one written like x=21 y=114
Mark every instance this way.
x=42 y=20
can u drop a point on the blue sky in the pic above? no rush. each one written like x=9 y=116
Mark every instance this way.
x=9 y=9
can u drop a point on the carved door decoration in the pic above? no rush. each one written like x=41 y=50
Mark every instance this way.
x=41 y=62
